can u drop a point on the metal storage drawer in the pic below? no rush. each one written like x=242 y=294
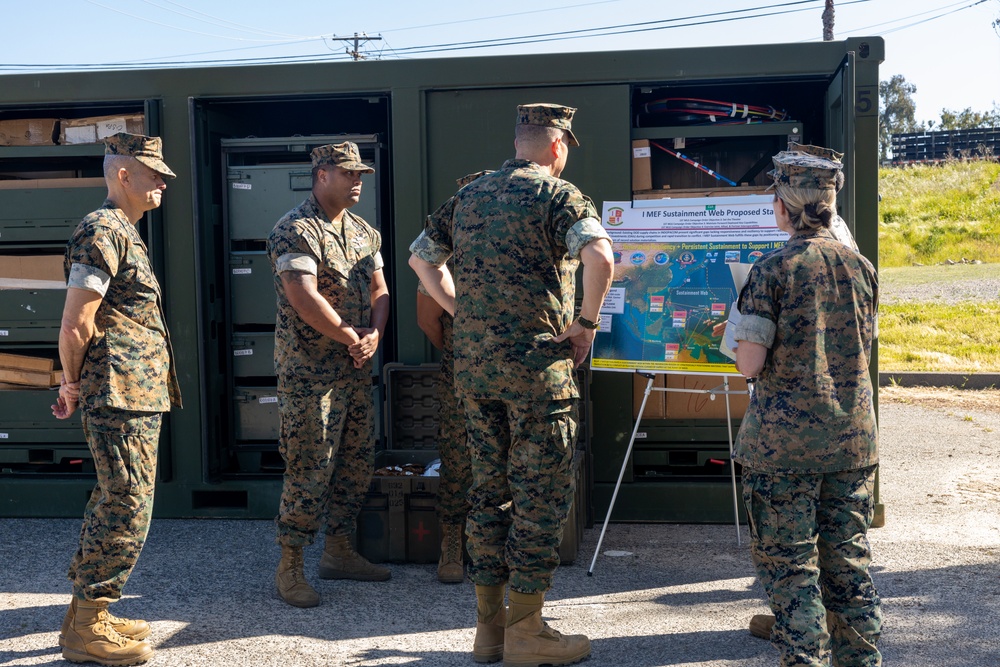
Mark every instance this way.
x=45 y=214
x=253 y=354
x=251 y=286
x=27 y=417
x=259 y=196
x=31 y=315
x=256 y=413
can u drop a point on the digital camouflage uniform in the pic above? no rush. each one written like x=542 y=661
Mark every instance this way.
x=809 y=443
x=452 y=440
x=325 y=403
x=127 y=380
x=514 y=237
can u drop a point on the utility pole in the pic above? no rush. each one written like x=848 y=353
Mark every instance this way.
x=358 y=40
x=828 y=22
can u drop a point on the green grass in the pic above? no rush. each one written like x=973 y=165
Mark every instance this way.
x=929 y=214
x=932 y=213
x=961 y=337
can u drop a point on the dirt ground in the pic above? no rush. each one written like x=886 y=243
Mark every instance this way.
x=948 y=398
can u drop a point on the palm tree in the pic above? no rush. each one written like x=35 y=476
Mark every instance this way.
x=828 y=22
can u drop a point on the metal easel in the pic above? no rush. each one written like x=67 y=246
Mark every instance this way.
x=721 y=390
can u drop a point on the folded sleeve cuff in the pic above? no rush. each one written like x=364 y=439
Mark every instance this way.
x=297 y=262
x=755 y=329
x=88 y=278
x=378 y=261
x=582 y=233
x=429 y=250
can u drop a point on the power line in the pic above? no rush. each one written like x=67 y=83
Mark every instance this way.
x=623 y=29
x=189 y=12
x=932 y=18
x=358 y=40
x=238 y=48
x=501 y=16
x=510 y=41
x=173 y=27
x=907 y=18
x=604 y=31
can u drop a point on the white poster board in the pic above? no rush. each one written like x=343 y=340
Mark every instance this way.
x=679 y=266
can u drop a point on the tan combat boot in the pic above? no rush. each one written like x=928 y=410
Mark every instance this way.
x=291 y=579
x=451 y=568
x=761 y=624
x=530 y=642
x=341 y=561
x=132 y=628
x=491 y=617
x=89 y=637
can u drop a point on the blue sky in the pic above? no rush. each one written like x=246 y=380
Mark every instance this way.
x=948 y=49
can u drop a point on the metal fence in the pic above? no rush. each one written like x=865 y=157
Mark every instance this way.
x=933 y=146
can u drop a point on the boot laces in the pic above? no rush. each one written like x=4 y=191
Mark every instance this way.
x=115 y=620
x=296 y=565
x=104 y=628
x=453 y=549
x=550 y=632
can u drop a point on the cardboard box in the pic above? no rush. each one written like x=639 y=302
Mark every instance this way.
x=96 y=128
x=642 y=168
x=701 y=406
x=655 y=404
x=27 y=363
x=28 y=132
x=26 y=377
x=32 y=267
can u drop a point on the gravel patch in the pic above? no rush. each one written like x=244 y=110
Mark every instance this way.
x=661 y=595
x=987 y=289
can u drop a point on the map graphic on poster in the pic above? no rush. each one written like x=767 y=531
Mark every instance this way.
x=679 y=265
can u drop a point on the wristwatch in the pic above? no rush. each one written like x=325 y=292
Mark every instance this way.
x=587 y=324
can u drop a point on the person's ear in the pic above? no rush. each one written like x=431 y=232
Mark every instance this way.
x=554 y=147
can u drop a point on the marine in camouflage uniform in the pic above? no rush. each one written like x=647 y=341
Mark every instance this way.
x=516 y=237
x=453 y=451
x=809 y=443
x=324 y=381
x=118 y=367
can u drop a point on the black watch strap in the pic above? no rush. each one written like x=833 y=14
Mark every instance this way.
x=587 y=324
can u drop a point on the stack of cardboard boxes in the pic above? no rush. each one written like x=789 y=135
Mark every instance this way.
x=18 y=371
x=52 y=131
x=24 y=276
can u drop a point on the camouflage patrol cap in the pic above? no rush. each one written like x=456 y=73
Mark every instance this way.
x=816 y=150
x=345 y=155
x=803 y=166
x=548 y=115
x=147 y=150
x=468 y=178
